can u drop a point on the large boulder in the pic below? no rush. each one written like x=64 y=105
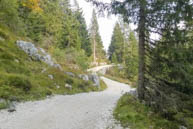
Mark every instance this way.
x=95 y=79
x=38 y=54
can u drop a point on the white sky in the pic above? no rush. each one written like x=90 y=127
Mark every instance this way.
x=106 y=25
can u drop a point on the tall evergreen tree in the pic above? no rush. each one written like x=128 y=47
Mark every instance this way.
x=97 y=45
x=132 y=58
x=116 y=48
x=83 y=32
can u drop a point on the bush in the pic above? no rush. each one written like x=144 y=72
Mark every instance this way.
x=72 y=56
x=3 y=105
x=19 y=82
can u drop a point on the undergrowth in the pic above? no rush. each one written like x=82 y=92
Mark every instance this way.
x=131 y=113
x=23 y=79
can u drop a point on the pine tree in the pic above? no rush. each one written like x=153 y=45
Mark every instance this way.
x=132 y=58
x=83 y=32
x=116 y=48
x=98 y=52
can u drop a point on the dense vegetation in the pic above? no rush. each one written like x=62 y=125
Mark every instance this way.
x=58 y=28
x=123 y=51
x=165 y=63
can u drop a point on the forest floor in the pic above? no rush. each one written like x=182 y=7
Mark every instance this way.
x=92 y=110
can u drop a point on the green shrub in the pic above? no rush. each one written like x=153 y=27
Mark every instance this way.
x=3 y=34
x=4 y=105
x=19 y=82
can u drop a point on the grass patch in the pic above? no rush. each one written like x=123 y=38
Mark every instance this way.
x=4 y=105
x=103 y=85
x=131 y=113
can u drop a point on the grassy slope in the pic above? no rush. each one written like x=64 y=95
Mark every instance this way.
x=131 y=113
x=21 y=78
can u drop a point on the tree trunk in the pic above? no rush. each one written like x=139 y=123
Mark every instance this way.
x=141 y=29
x=94 y=51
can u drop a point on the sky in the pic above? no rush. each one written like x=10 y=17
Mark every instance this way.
x=106 y=24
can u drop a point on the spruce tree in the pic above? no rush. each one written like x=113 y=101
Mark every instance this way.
x=116 y=48
x=83 y=32
x=97 y=44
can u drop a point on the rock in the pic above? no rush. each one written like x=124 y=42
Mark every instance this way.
x=2 y=39
x=133 y=93
x=44 y=70
x=2 y=101
x=57 y=86
x=14 y=99
x=51 y=77
x=58 y=66
x=28 y=48
x=84 y=77
x=12 y=107
x=95 y=79
x=16 y=60
x=37 y=54
x=70 y=74
x=68 y=86
x=182 y=127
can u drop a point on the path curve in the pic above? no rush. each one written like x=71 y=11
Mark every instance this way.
x=81 y=111
x=98 y=68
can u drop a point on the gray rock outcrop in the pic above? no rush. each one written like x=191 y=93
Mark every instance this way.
x=37 y=54
x=12 y=107
x=68 y=86
x=182 y=127
x=70 y=74
x=95 y=79
x=84 y=77
x=51 y=77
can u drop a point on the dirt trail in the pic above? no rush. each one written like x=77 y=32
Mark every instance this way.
x=81 y=111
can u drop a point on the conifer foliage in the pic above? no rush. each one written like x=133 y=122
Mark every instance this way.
x=97 y=45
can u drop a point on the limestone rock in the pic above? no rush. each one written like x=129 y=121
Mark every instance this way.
x=70 y=74
x=51 y=77
x=84 y=77
x=12 y=107
x=95 y=79
x=37 y=54
x=68 y=86
x=182 y=127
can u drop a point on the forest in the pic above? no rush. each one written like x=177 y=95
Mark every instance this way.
x=161 y=68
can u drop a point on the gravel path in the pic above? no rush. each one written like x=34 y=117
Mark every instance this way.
x=81 y=111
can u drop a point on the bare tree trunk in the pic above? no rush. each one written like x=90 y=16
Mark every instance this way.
x=94 y=54
x=141 y=85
